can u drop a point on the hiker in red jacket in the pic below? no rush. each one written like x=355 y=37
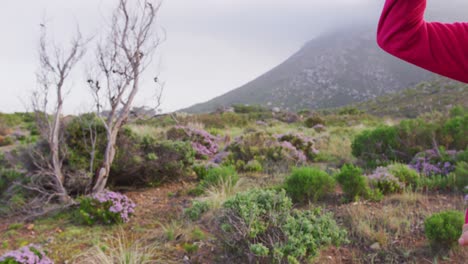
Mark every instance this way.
x=437 y=47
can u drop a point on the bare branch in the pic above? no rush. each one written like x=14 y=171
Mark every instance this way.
x=55 y=65
x=122 y=59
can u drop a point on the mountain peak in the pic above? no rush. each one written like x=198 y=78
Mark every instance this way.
x=332 y=70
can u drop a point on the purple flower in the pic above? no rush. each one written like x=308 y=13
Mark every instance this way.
x=27 y=255
x=204 y=144
x=430 y=163
x=301 y=143
x=119 y=203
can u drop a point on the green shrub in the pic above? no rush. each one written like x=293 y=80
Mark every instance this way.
x=259 y=250
x=285 y=234
x=200 y=170
x=376 y=147
x=253 y=166
x=402 y=142
x=313 y=121
x=436 y=183
x=266 y=149
x=105 y=208
x=308 y=183
x=444 y=229
x=246 y=109
x=198 y=208
x=461 y=176
x=308 y=231
x=258 y=208
x=404 y=174
x=218 y=175
x=384 y=181
x=353 y=182
x=13 y=196
x=152 y=162
x=462 y=156
x=78 y=134
x=454 y=132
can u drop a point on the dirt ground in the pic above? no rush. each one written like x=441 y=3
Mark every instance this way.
x=158 y=207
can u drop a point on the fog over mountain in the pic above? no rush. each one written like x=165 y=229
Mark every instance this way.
x=332 y=70
x=212 y=46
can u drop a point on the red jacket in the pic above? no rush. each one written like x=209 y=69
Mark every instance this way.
x=437 y=47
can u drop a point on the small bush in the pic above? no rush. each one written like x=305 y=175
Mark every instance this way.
x=253 y=166
x=461 y=176
x=376 y=147
x=264 y=148
x=405 y=174
x=462 y=156
x=434 y=162
x=30 y=254
x=444 y=229
x=259 y=250
x=309 y=183
x=105 y=208
x=384 y=181
x=301 y=143
x=152 y=162
x=13 y=196
x=203 y=143
x=201 y=169
x=218 y=175
x=260 y=224
x=314 y=120
x=247 y=109
x=195 y=212
x=353 y=182
x=436 y=183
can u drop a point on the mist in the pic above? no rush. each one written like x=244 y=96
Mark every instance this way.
x=212 y=46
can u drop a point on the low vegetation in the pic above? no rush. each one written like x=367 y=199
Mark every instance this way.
x=329 y=187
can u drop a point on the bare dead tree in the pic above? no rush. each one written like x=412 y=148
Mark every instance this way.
x=122 y=58
x=55 y=65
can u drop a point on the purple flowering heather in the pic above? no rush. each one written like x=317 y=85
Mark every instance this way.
x=30 y=254
x=301 y=143
x=293 y=152
x=119 y=203
x=430 y=163
x=204 y=144
x=384 y=180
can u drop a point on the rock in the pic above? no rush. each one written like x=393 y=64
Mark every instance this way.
x=375 y=246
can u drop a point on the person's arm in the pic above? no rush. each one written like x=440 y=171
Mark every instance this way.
x=437 y=47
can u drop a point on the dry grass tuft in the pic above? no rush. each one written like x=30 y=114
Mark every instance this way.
x=123 y=248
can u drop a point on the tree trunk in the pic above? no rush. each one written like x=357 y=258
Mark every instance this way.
x=55 y=150
x=102 y=174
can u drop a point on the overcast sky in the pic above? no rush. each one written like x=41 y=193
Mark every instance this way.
x=212 y=46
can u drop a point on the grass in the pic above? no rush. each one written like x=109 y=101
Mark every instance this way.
x=123 y=248
x=218 y=194
x=147 y=130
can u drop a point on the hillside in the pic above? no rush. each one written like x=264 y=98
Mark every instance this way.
x=331 y=71
x=424 y=97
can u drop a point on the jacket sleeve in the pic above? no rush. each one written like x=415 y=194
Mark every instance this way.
x=437 y=47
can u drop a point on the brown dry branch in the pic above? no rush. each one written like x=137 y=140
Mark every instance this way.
x=122 y=58
x=55 y=66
